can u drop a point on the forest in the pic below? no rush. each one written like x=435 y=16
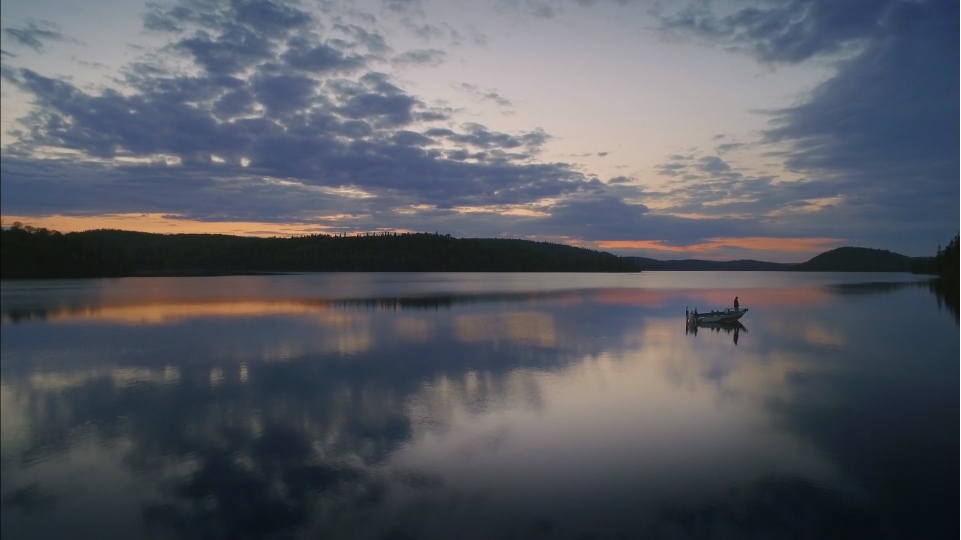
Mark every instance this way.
x=34 y=253
x=944 y=263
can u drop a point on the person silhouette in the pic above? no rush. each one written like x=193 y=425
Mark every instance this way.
x=736 y=304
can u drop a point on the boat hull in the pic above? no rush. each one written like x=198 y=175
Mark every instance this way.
x=728 y=316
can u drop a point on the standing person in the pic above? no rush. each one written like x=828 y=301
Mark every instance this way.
x=736 y=304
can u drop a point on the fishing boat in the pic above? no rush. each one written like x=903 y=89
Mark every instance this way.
x=726 y=316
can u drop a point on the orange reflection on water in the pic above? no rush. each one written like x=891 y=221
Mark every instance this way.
x=811 y=332
x=748 y=298
x=569 y=298
x=414 y=329
x=635 y=297
x=527 y=327
x=347 y=331
x=164 y=313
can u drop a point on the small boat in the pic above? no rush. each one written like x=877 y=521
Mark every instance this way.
x=726 y=316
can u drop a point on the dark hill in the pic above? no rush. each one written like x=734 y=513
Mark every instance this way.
x=856 y=259
x=39 y=253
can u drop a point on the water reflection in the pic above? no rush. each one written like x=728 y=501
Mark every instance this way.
x=946 y=292
x=549 y=414
x=159 y=311
x=735 y=327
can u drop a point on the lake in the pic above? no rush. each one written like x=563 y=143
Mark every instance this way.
x=403 y=406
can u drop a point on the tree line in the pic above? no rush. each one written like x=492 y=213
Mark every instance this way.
x=36 y=253
x=944 y=263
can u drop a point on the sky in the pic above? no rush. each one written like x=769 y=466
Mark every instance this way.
x=770 y=130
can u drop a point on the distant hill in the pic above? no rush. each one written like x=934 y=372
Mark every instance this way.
x=29 y=253
x=857 y=259
x=844 y=259
x=645 y=263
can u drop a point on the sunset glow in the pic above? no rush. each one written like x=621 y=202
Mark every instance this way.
x=167 y=224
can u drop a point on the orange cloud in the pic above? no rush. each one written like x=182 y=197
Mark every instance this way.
x=167 y=224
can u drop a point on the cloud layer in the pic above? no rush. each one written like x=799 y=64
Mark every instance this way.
x=260 y=111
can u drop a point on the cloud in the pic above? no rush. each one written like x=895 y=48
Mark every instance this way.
x=479 y=136
x=272 y=123
x=285 y=93
x=713 y=165
x=425 y=31
x=275 y=120
x=403 y=6
x=884 y=130
x=423 y=57
x=261 y=17
x=790 y=31
x=236 y=50
x=482 y=94
x=351 y=142
x=35 y=34
x=268 y=112
x=411 y=138
x=318 y=58
x=728 y=147
x=378 y=101
x=538 y=9
x=372 y=41
x=598 y=215
x=709 y=187
x=602 y=213
x=542 y=10
x=880 y=136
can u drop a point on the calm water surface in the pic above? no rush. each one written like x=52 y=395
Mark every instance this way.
x=479 y=406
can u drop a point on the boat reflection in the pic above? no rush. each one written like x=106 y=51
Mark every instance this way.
x=736 y=327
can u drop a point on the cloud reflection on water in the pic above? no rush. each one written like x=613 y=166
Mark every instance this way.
x=516 y=415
